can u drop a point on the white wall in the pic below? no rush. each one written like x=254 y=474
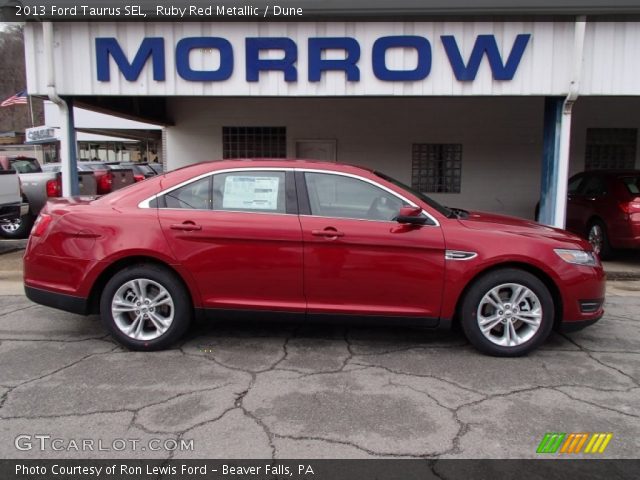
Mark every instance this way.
x=501 y=137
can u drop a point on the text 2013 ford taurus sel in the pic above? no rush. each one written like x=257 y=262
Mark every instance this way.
x=279 y=239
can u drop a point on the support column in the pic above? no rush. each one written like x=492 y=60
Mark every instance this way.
x=550 y=159
x=74 y=187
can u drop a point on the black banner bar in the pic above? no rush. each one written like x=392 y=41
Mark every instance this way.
x=299 y=10
x=547 y=469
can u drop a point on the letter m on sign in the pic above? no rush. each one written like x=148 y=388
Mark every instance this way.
x=150 y=47
x=485 y=44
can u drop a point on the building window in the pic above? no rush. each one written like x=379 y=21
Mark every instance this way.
x=254 y=142
x=611 y=148
x=436 y=167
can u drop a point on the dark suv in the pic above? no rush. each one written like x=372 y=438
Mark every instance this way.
x=604 y=207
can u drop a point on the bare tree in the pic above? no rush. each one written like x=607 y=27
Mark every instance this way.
x=13 y=80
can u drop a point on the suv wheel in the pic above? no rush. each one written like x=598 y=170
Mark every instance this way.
x=507 y=313
x=145 y=307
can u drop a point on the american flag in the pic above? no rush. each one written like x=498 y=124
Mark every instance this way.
x=19 y=98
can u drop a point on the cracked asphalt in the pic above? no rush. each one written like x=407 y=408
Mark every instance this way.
x=313 y=391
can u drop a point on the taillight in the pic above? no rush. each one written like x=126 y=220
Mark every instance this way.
x=138 y=178
x=54 y=187
x=630 y=207
x=105 y=182
x=41 y=224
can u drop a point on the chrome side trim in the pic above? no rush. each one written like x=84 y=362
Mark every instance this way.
x=459 y=255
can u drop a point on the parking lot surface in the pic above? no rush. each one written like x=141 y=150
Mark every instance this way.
x=309 y=391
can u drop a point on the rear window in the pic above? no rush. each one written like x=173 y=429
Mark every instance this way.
x=632 y=182
x=25 y=165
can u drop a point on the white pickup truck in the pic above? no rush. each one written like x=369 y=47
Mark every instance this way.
x=11 y=205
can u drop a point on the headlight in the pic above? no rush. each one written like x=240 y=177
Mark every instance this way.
x=578 y=257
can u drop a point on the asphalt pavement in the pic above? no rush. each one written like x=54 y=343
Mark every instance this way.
x=301 y=391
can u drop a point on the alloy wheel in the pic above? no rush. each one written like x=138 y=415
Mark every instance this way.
x=142 y=309
x=509 y=314
x=11 y=226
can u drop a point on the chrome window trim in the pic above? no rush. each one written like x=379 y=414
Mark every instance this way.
x=145 y=203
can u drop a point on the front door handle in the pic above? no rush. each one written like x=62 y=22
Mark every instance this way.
x=185 y=227
x=328 y=232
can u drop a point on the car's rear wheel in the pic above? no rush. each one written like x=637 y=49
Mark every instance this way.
x=599 y=240
x=507 y=313
x=18 y=228
x=146 y=307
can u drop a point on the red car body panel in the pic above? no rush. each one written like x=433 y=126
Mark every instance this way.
x=249 y=261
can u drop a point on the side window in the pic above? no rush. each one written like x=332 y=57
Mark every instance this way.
x=574 y=184
x=250 y=191
x=194 y=195
x=593 y=187
x=345 y=197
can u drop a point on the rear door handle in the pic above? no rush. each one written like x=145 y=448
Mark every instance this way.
x=185 y=227
x=327 y=233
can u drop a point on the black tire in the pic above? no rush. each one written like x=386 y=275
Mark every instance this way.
x=182 y=309
x=19 y=228
x=599 y=239
x=473 y=301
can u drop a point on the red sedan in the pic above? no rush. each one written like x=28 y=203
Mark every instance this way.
x=285 y=239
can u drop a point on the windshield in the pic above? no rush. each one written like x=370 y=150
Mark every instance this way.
x=429 y=201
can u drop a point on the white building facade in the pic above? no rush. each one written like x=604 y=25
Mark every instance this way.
x=470 y=112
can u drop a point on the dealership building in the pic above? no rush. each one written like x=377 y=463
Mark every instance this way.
x=486 y=115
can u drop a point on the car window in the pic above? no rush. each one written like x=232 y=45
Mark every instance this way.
x=194 y=195
x=593 y=187
x=346 y=197
x=574 y=184
x=250 y=191
x=632 y=182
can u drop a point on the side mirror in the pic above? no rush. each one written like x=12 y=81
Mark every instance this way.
x=412 y=216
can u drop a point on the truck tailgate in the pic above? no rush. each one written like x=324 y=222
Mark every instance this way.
x=87 y=183
x=122 y=177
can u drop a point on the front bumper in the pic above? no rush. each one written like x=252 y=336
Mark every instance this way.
x=568 y=327
x=68 y=303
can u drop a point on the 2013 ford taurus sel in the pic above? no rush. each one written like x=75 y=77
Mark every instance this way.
x=281 y=238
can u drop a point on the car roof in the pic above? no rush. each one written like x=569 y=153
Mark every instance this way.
x=279 y=163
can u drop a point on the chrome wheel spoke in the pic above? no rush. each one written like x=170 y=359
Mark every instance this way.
x=489 y=323
x=122 y=306
x=158 y=322
x=161 y=298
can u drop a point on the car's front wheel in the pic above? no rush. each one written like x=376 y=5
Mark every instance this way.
x=507 y=313
x=146 y=307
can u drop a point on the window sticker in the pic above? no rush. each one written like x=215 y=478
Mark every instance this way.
x=255 y=193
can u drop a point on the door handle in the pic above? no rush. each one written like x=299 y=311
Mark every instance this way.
x=185 y=227
x=327 y=233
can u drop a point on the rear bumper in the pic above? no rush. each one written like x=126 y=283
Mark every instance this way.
x=68 y=303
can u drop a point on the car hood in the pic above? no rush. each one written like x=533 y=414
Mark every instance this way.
x=520 y=226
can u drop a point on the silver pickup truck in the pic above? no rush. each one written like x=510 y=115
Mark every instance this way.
x=37 y=188
x=11 y=205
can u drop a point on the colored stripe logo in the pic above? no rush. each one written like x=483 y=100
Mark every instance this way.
x=554 y=442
